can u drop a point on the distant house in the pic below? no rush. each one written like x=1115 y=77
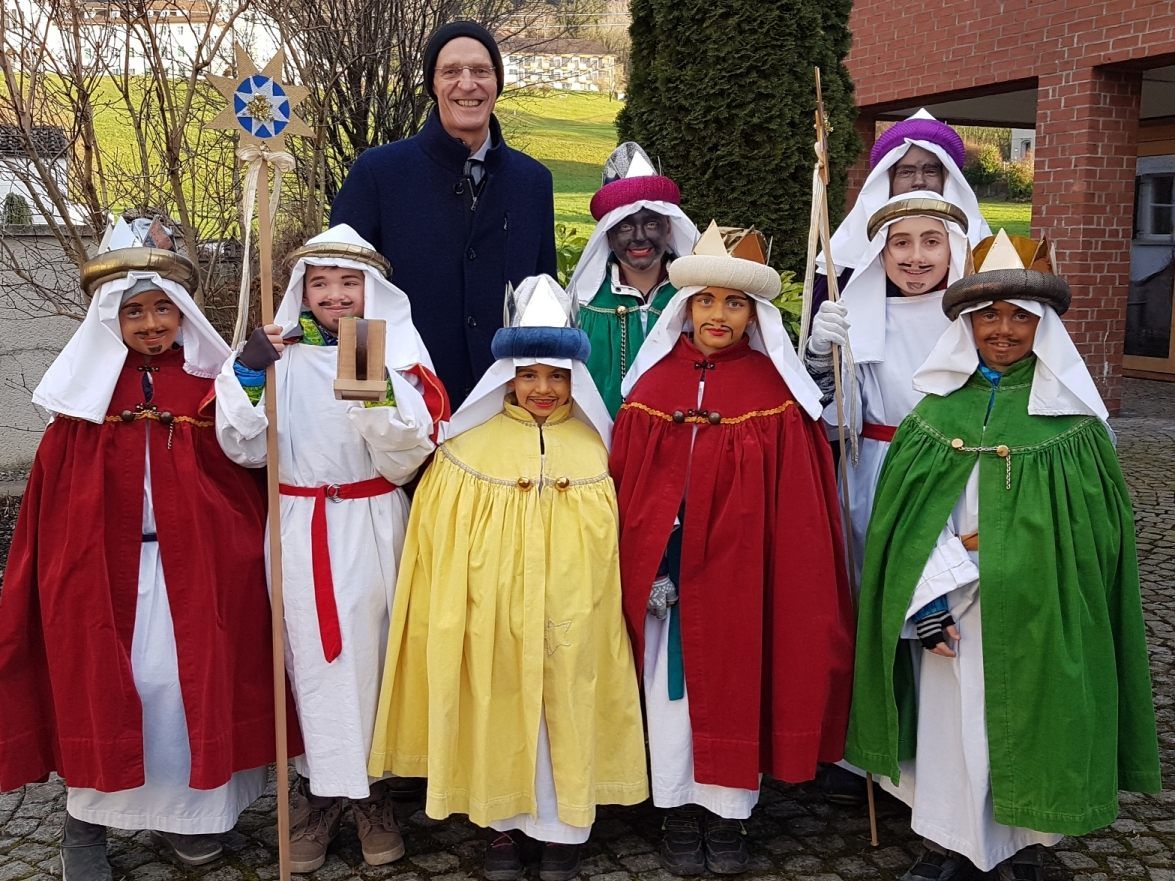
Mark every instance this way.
x=566 y=64
x=110 y=40
x=20 y=186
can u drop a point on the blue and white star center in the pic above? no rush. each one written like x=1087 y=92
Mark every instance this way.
x=261 y=106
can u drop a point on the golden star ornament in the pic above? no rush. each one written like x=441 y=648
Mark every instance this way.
x=260 y=106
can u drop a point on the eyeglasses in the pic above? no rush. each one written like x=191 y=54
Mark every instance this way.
x=450 y=74
x=928 y=169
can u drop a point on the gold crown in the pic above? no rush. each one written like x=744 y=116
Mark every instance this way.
x=115 y=264
x=1009 y=268
x=343 y=251
x=917 y=207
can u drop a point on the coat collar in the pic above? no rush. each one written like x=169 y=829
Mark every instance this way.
x=452 y=153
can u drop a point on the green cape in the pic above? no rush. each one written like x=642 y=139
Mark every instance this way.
x=1070 y=719
x=617 y=337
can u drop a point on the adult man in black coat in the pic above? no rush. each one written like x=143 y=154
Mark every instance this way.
x=457 y=212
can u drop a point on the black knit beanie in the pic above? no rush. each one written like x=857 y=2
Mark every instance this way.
x=451 y=31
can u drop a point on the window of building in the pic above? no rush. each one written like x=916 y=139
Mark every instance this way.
x=1154 y=207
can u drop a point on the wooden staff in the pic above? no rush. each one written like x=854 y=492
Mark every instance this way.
x=260 y=110
x=819 y=230
x=276 y=600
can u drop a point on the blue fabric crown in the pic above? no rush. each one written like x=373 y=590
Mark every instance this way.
x=541 y=342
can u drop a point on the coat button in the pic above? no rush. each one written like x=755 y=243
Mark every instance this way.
x=166 y=418
x=524 y=483
x=621 y=311
x=957 y=443
x=715 y=417
x=678 y=416
x=563 y=483
x=470 y=321
x=126 y=416
x=471 y=254
x=1003 y=451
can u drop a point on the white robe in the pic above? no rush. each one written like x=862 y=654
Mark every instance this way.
x=886 y=395
x=671 y=740
x=948 y=784
x=324 y=441
x=164 y=802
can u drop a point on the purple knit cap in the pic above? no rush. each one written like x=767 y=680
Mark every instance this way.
x=919 y=130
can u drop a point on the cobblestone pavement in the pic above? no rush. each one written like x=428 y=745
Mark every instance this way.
x=794 y=833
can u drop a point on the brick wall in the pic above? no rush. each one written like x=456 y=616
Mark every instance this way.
x=1085 y=60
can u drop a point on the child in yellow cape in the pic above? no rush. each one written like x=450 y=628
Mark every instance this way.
x=509 y=680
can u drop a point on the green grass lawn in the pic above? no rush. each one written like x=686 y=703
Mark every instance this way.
x=1015 y=217
x=570 y=133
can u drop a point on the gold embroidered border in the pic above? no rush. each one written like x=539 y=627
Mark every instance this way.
x=544 y=480
x=703 y=420
x=147 y=414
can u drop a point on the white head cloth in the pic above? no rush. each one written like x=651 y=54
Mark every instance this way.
x=1061 y=384
x=850 y=240
x=80 y=382
x=593 y=263
x=767 y=335
x=381 y=300
x=864 y=295
x=534 y=309
x=404 y=348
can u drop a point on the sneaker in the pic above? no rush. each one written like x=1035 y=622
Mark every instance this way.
x=83 y=851
x=191 y=850
x=1027 y=865
x=503 y=858
x=937 y=864
x=312 y=829
x=560 y=862
x=841 y=786
x=682 y=852
x=379 y=836
x=726 y=846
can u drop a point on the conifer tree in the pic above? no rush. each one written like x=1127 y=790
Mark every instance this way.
x=721 y=93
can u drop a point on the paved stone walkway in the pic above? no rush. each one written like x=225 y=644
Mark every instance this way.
x=795 y=834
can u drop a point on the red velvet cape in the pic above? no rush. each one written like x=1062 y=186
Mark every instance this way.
x=766 y=614
x=68 y=606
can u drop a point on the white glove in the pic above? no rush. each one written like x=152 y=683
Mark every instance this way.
x=830 y=327
x=661 y=597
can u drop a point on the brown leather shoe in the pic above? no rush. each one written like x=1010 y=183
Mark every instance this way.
x=379 y=836
x=313 y=826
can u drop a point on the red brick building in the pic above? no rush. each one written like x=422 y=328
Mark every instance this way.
x=1096 y=79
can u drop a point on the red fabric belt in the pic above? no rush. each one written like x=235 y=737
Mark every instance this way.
x=877 y=432
x=324 y=585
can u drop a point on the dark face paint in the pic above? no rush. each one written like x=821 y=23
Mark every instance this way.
x=640 y=239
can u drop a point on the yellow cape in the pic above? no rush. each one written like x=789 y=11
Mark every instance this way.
x=508 y=602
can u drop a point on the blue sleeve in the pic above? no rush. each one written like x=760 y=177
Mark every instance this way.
x=358 y=202
x=934 y=607
x=252 y=381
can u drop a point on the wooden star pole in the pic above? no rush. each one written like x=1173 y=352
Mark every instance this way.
x=260 y=110
x=820 y=231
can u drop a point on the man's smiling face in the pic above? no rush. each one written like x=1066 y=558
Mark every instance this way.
x=466 y=87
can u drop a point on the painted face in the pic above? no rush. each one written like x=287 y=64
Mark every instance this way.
x=720 y=317
x=917 y=254
x=919 y=169
x=1003 y=333
x=149 y=322
x=541 y=389
x=467 y=88
x=640 y=239
x=333 y=292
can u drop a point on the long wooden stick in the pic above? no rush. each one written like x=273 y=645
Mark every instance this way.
x=820 y=229
x=277 y=603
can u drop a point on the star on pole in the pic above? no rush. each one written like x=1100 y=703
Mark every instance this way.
x=260 y=106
